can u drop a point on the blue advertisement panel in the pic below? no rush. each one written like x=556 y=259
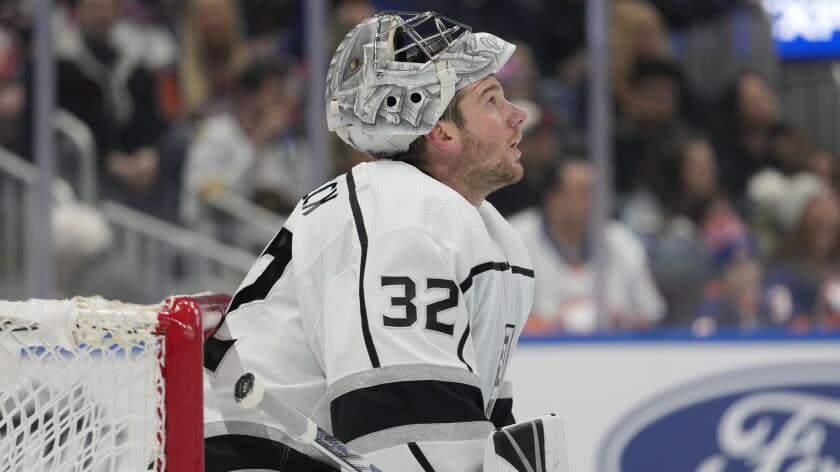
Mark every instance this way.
x=805 y=29
x=667 y=401
x=784 y=417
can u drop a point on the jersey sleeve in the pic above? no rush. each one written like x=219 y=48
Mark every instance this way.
x=397 y=354
x=258 y=336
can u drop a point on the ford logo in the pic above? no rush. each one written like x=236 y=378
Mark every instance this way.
x=784 y=418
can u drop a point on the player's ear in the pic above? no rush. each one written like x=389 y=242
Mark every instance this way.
x=444 y=136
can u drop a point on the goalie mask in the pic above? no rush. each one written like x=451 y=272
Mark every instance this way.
x=393 y=76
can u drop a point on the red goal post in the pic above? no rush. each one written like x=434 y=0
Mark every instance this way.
x=89 y=384
x=185 y=322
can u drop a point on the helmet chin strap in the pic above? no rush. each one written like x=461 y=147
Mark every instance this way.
x=448 y=78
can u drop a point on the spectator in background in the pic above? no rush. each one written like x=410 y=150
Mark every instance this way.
x=110 y=90
x=651 y=108
x=213 y=50
x=716 y=40
x=557 y=237
x=808 y=213
x=674 y=215
x=142 y=29
x=743 y=128
x=824 y=164
x=733 y=298
x=790 y=148
x=792 y=153
x=145 y=30
x=798 y=288
x=682 y=181
x=252 y=151
x=638 y=32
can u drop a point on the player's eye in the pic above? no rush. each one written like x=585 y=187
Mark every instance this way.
x=492 y=100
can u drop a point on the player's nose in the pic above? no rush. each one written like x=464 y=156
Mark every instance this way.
x=517 y=116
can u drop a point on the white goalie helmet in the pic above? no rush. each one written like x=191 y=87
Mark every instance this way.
x=393 y=76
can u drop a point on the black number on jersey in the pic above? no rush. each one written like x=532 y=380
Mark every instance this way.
x=410 y=291
x=432 y=310
x=327 y=192
x=406 y=301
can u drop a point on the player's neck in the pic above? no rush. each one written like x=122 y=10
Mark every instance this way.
x=457 y=181
x=474 y=196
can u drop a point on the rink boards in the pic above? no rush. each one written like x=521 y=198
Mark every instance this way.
x=675 y=403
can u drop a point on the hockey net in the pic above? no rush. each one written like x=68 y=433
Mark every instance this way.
x=91 y=385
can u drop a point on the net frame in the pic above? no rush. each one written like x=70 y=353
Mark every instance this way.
x=179 y=326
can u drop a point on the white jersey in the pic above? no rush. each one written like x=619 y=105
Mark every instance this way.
x=386 y=310
x=564 y=296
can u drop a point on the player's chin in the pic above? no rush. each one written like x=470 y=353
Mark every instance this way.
x=518 y=173
x=515 y=172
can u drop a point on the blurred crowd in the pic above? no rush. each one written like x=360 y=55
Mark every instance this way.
x=726 y=214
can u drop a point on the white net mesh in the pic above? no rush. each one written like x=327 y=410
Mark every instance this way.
x=81 y=387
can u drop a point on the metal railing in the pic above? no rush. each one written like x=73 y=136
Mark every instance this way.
x=169 y=259
x=163 y=258
x=82 y=139
x=246 y=224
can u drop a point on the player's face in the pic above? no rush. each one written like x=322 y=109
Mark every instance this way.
x=490 y=136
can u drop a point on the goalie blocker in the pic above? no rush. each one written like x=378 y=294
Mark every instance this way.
x=532 y=446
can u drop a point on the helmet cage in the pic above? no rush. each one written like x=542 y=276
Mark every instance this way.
x=421 y=37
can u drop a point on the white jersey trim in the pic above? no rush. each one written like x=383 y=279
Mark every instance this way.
x=421 y=433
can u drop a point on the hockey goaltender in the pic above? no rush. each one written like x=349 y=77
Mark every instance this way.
x=388 y=306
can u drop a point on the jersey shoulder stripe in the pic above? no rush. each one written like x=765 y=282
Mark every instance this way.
x=497 y=266
x=522 y=271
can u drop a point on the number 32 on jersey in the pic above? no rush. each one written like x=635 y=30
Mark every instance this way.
x=450 y=296
x=406 y=301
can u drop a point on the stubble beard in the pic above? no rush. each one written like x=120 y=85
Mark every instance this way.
x=484 y=169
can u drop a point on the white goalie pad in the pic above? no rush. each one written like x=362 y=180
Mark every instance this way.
x=532 y=446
